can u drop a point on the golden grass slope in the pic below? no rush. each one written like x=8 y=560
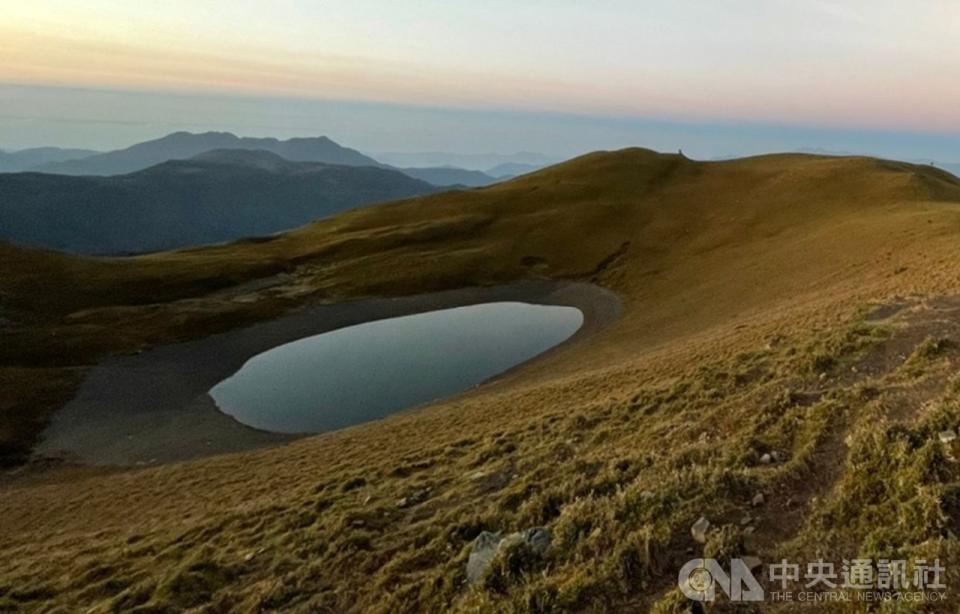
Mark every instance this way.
x=743 y=284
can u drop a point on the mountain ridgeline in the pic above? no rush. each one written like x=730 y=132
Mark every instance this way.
x=185 y=145
x=30 y=159
x=217 y=196
x=451 y=176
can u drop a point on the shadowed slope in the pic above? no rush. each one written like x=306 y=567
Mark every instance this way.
x=220 y=195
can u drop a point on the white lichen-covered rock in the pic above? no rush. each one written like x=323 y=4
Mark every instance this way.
x=481 y=555
x=488 y=545
x=699 y=530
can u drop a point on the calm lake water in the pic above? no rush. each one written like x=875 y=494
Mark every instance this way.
x=371 y=370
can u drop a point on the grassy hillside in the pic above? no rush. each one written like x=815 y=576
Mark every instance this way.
x=750 y=326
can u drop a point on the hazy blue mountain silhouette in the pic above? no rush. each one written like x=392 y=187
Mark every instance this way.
x=451 y=176
x=217 y=196
x=185 y=145
x=471 y=161
x=27 y=159
x=512 y=169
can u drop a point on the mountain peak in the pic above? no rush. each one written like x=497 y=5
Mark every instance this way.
x=186 y=145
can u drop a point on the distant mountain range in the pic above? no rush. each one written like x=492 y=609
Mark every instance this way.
x=217 y=196
x=185 y=145
x=28 y=159
x=190 y=189
x=478 y=162
x=508 y=170
x=451 y=176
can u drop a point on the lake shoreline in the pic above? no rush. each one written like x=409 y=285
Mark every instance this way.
x=154 y=408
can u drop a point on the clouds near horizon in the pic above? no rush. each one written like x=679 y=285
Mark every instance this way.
x=848 y=64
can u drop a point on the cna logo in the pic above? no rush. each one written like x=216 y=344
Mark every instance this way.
x=698 y=580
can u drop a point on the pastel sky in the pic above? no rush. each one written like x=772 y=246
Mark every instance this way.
x=863 y=66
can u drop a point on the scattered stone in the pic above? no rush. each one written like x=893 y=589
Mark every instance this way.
x=487 y=545
x=417 y=496
x=746 y=520
x=758 y=499
x=823 y=376
x=766 y=459
x=778 y=456
x=947 y=436
x=699 y=530
x=481 y=555
x=646 y=495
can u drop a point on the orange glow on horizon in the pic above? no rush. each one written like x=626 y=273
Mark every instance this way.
x=70 y=49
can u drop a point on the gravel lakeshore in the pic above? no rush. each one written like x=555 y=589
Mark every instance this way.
x=154 y=407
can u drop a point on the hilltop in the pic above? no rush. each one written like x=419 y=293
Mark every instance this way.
x=790 y=304
x=219 y=195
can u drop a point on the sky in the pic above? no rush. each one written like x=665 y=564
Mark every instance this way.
x=716 y=77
